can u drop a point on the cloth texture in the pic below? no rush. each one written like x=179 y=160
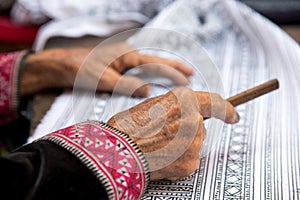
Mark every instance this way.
x=10 y=64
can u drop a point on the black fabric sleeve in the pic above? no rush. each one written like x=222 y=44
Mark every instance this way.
x=43 y=170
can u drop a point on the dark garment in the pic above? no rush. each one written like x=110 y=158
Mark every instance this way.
x=43 y=170
x=13 y=134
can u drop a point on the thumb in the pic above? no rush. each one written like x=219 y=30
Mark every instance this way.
x=132 y=86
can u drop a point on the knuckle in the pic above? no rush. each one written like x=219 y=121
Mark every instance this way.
x=182 y=90
x=189 y=167
x=216 y=97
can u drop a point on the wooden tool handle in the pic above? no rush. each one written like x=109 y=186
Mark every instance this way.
x=252 y=93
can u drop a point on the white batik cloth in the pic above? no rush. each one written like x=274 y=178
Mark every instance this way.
x=258 y=158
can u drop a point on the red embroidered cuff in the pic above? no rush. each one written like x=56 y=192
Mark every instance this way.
x=10 y=64
x=112 y=156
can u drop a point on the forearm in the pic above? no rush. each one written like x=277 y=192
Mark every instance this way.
x=23 y=74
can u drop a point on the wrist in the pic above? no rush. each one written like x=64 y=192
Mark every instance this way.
x=41 y=71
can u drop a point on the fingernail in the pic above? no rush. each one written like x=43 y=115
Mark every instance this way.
x=147 y=90
x=143 y=91
x=236 y=117
x=188 y=81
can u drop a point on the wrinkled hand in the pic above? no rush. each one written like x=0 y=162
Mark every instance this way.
x=97 y=69
x=169 y=129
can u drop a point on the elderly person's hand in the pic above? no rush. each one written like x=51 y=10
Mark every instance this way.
x=169 y=129
x=99 y=69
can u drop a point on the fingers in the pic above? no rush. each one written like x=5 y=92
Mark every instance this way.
x=187 y=163
x=133 y=86
x=132 y=58
x=166 y=71
x=213 y=105
x=154 y=65
x=128 y=85
x=146 y=59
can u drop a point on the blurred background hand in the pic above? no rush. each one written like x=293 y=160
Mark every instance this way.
x=100 y=68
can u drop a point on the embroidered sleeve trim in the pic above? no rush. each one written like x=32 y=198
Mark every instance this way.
x=111 y=155
x=10 y=64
